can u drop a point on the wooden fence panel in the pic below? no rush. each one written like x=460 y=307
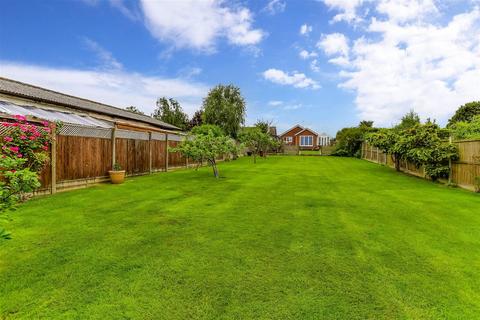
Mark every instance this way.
x=175 y=159
x=82 y=157
x=132 y=155
x=158 y=154
x=464 y=170
x=467 y=168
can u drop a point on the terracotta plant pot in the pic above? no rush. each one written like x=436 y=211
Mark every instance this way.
x=117 y=177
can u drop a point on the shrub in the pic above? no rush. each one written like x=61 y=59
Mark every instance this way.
x=23 y=154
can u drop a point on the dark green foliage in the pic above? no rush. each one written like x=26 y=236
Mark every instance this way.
x=349 y=140
x=465 y=113
x=170 y=111
x=197 y=119
x=410 y=120
x=225 y=107
x=134 y=110
x=466 y=130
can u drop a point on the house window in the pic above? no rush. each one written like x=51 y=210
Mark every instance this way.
x=288 y=139
x=306 y=141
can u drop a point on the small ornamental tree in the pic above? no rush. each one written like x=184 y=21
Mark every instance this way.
x=206 y=145
x=257 y=141
x=23 y=154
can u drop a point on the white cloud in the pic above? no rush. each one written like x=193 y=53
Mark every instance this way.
x=199 y=24
x=296 y=79
x=348 y=10
x=305 y=29
x=314 y=65
x=275 y=6
x=105 y=57
x=405 y=10
x=115 y=87
x=130 y=13
x=334 y=43
x=293 y=106
x=404 y=62
x=304 y=54
x=275 y=103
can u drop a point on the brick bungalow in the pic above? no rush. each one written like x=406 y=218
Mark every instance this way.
x=304 y=138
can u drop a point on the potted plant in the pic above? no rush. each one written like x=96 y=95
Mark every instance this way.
x=476 y=184
x=117 y=175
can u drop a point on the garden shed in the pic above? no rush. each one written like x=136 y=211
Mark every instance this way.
x=92 y=136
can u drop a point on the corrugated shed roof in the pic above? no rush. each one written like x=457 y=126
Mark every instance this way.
x=25 y=90
x=51 y=115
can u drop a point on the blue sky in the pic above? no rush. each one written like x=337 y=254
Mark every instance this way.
x=324 y=64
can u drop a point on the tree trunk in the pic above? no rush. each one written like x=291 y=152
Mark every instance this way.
x=214 y=167
x=397 y=163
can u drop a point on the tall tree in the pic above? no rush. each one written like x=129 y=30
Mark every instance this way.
x=465 y=113
x=134 y=110
x=170 y=111
x=197 y=119
x=410 y=120
x=224 y=106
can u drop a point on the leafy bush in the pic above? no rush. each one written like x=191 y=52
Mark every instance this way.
x=467 y=130
x=465 y=113
x=349 y=140
x=23 y=154
x=422 y=145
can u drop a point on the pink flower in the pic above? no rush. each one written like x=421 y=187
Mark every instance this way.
x=22 y=137
x=47 y=130
x=32 y=138
x=20 y=117
x=14 y=149
x=5 y=124
x=19 y=155
x=45 y=148
x=45 y=123
x=8 y=139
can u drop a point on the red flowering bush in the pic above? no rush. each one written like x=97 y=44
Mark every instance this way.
x=28 y=141
x=23 y=154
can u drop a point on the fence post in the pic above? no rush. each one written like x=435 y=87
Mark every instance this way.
x=53 y=160
x=166 y=151
x=378 y=155
x=450 y=164
x=150 y=152
x=361 y=150
x=114 y=147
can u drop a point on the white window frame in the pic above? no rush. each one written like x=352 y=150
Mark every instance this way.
x=306 y=138
x=288 y=139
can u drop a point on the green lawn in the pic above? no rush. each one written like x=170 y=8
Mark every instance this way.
x=287 y=238
x=309 y=152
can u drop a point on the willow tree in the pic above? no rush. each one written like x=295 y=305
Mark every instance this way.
x=224 y=106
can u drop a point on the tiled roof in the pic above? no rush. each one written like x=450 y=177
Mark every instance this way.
x=20 y=89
